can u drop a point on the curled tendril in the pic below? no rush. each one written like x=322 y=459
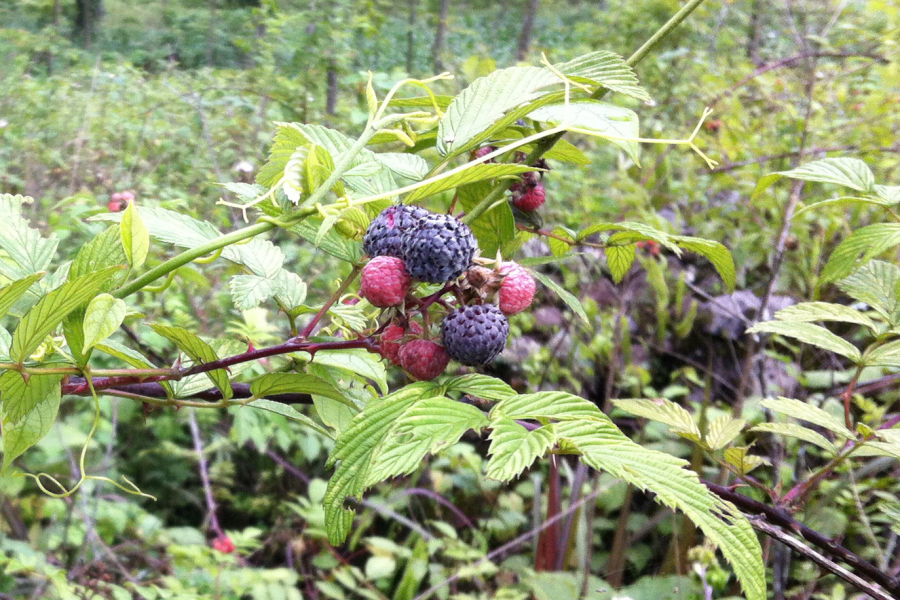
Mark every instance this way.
x=131 y=488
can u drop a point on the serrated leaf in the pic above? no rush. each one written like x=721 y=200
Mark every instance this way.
x=629 y=232
x=570 y=300
x=842 y=201
x=606 y=69
x=860 y=247
x=714 y=252
x=807 y=312
x=514 y=448
x=403 y=164
x=290 y=413
x=26 y=250
x=878 y=285
x=605 y=448
x=291 y=289
x=797 y=431
x=889 y=194
x=296 y=383
x=722 y=432
x=102 y=318
x=27 y=411
x=493 y=229
x=247 y=191
x=333 y=242
x=885 y=355
x=10 y=294
x=848 y=172
x=482 y=172
x=285 y=143
x=5 y=342
x=807 y=412
x=602 y=117
x=559 y=247
x=664 y=411
x=808 y=333
x=248 y=291
x=199 y=352
x=47 y=314
x=480 y=386
x=356 y=361
x=485 y=101
x=353 y=453
x=131 y=357
x=619 y=259
x=135 y=239
x=550 y=405
x=742 y=460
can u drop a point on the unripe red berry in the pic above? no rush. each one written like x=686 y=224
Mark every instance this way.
x=423 y=359
x=485 y=150
x=384 y=281
x=531 y=200
x=390 y=346
x=517 y=289
x=223 y=544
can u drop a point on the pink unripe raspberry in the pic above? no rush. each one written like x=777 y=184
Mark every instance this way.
x=517 y=289
x=423 y=359
x=390 y=346
x=531 y=200
x=484 y=151
x=384 y=281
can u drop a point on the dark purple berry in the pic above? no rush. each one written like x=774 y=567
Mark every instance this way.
x=383 y=237
x=438 y=248
x=475 y=335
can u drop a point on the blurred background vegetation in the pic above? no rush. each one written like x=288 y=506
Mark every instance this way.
x=167 y=98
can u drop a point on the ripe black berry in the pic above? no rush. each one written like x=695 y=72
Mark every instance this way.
x=475 y=335
x=438 y=248
x=385 y=231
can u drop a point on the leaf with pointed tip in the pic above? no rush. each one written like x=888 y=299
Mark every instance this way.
x=131 y=357
x=878 y=285
x=722 y=432
x=482 y=172
x=10 y=294
x=291 y=413
x=804 y=411
x=514 y=448
x=199 y=351
x=602 y=117
x=860 y=247
x=27 y=251
x=570 y=300
x=480 y=386
x=296 y=383
x=808 y=333
x=619 y=260
x=797 y=431
x=664 y=411
x=606 y=69
x=135 y=239
x=102 y=318
x=47 y=314
x=807 y=312
x=714 y=252
x=848 y=172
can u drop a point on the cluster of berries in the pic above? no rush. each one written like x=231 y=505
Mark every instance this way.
x=409 y=243
x=529 y=194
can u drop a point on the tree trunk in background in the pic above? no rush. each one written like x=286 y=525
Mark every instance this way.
x=439 y=36
x=331 y=99
x=87 y=20
x=411 y=37
x=211 y=34
x=754 y=33
x=527 y=27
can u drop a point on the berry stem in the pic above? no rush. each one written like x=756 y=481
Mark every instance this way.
x=307 y=331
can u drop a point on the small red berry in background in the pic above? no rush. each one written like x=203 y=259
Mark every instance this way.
x=423 y=359
x=650 y=246
x=223 y=544
x=531 y=200
x=517 y=289
x=484 y=151
x=390 y=347
x=119 y=201
x=714 y=126
x=384 y=281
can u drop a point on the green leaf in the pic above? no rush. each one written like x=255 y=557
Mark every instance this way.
x=47 y=314
x=619 y=259
x=296 y=383
x=135 y=238
x=27 y=411
x=848 y=172
x=10 y=294
x=664 y=411
x=558 y=247
x=131 y=357
x=878 y=285
x=886 y=355
x=714 y=252
x=514 y=448
x=482 y=172
x=103 y=317
x=287 y=140
x=402 y=164
x=248 y=291
x=564 y=151
x=493 y=229
x=810 y=334
x=332 y=243
x=807 y=312
x=357 y=361
x=889 y=194
x=722 y=432
x=104 y=250
x=289 y=412
x=198 y=351
x=485 y=101
x=353 y=452
x=549 y=405
x=807 y=412
x=602 y=117
x=797 y=431
x=605 y=69
x=566 y=297
x=842 y=201
x=860 y=247
x=479 y=386
x=5 y=342
x=740 y=458
x=27 y=251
